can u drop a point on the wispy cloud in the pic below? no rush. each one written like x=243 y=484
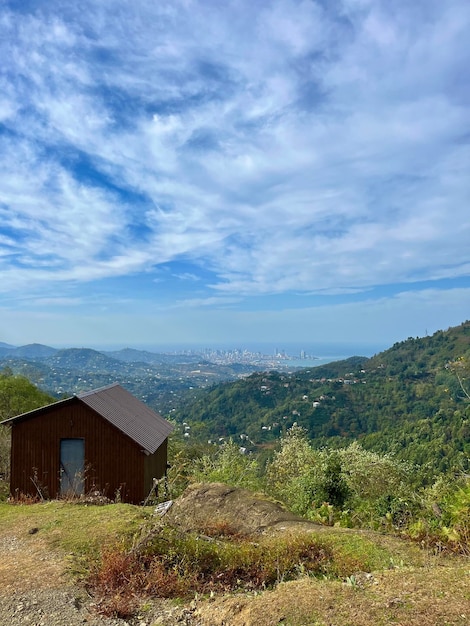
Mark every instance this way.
x=296 y=147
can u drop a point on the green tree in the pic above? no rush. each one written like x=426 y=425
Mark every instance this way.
x=19 y=395
x=461 y=370
x=290 y=463
x=4 y=453
x=228 y=465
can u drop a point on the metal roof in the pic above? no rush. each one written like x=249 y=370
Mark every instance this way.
x=131 y=416
x=123 y=410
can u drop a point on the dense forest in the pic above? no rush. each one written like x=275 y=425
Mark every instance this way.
x=409 y=400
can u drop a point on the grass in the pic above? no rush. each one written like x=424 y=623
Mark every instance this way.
x=127 y=557
x=70 y=528
x=167 y=563
x=50 y=544
x=411 y=596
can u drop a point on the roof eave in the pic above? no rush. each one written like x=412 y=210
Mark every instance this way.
x=38 y=411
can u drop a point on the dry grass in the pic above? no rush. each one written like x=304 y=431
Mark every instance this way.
x=41 y=543
x=407 y=586
x=431 y=596
x=27 y=561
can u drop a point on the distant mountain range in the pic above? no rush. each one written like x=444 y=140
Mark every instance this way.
x=157 y=378
x=33 y=351
x=38 y=351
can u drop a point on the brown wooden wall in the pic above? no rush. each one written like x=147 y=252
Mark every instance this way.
x=155 y=466
x=113 y=460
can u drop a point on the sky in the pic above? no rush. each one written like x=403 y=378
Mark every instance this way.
x=208 y=172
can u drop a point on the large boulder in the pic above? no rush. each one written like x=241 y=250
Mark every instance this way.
x=206 y=505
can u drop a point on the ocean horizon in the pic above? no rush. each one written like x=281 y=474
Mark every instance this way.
x=303 y=354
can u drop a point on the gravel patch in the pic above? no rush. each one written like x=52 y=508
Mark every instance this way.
x=73 y=607
x=50 y=607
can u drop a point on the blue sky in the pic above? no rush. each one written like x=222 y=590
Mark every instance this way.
x=207 y=172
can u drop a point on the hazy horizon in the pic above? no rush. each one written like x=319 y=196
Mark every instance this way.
x=319 y=350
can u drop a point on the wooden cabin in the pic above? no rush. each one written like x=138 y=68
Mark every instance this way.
x=104 y=441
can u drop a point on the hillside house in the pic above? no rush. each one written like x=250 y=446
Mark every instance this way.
x=105 y=440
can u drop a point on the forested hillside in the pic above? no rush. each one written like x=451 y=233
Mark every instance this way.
x=378 y=443
x=407 y=400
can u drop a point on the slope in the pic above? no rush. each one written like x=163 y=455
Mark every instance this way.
x=403 y=400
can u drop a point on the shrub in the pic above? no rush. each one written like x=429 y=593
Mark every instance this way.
x=228 y=465
x=444 y=520
x=168 y=563
x=350 y=486
x=458 y=509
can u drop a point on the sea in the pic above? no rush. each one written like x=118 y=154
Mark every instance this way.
x=306 y=354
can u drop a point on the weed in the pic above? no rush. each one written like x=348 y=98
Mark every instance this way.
x=116 y=579
x=351 y=581
x=23 y=498
x=167 y=563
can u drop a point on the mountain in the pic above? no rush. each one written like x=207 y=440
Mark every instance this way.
x=7 y=346
x=403 y=400
x=161 y=380
x=83 y=359
x=130 y=355
x=30 y=351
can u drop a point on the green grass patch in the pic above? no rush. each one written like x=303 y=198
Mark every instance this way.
x=354 y=552
x=74 y=529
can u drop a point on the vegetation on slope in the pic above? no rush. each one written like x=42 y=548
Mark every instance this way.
x=406 y=400
x=127 y=559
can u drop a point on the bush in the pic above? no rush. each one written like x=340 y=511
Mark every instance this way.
x=228 y=465
x=445 y=516
x=350 y=486
x=166 y=563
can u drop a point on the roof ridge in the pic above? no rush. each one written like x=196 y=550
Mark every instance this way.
x=83 y=394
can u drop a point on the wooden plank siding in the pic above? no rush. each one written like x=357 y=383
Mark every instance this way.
x=113 y=460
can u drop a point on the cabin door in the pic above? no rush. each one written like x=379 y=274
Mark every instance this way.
x=72 y=467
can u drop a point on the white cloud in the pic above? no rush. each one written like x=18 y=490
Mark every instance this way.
x=286 y=148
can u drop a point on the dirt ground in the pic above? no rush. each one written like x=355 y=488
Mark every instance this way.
x=37 y=589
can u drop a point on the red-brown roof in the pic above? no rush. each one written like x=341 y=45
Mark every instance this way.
x=119 y=407
x=130 y=415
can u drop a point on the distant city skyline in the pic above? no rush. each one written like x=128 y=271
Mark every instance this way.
x=315 y=355
x=257 y=357
x=233 y=173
